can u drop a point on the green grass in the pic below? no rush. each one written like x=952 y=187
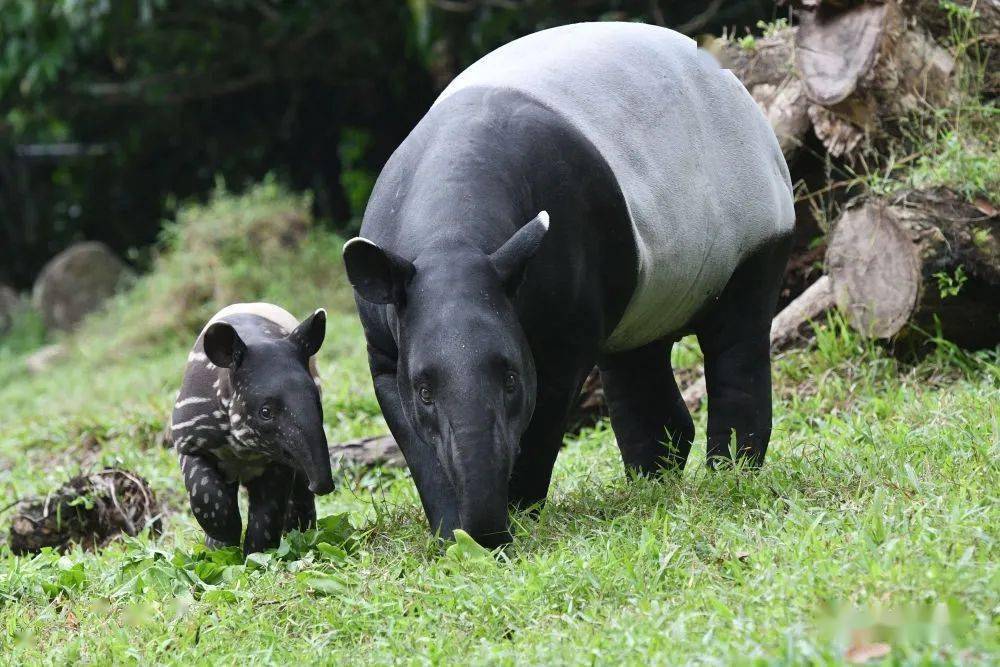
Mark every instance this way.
x=876 y=515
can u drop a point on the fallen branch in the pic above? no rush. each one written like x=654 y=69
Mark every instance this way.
x=89 y=510
x=380 y=450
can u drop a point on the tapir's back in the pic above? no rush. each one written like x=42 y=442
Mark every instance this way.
x=697 y=163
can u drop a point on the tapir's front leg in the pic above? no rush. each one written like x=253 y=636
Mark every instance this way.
x=268 y=505
x=301 y=514
x=213 y=500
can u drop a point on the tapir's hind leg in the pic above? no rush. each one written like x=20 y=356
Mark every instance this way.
x=735 y=338
x=651 y=423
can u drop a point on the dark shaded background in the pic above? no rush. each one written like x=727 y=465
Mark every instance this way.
x=112 y=115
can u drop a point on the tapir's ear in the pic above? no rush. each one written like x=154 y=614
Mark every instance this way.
x=377 y=275
x=512 y=257
x=223 y=346
x=310 y=333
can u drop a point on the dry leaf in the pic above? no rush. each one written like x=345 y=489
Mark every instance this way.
x=862 y=652
x=985 y=206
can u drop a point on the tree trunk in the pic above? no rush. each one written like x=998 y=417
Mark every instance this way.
x=916 y=262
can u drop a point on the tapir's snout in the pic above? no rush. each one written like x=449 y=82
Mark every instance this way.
x=481 y=467
x=317 y=468
x=321 y=487
x=309 y=452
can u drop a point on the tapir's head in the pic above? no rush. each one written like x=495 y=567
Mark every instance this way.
x=275 y=406
x=465 y=372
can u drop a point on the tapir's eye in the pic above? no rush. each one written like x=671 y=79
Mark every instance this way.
x=266 y=413
x=425 y=394
x=510 y=382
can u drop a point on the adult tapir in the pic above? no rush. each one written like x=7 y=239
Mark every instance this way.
x=588 y=193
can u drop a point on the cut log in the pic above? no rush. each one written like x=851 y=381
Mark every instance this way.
x=863 y=66
x=835 y=48
x=380 y=450
x=906 y=265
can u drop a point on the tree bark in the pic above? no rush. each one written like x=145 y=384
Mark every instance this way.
x=903 y=266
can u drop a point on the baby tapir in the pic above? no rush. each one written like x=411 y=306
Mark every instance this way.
x=249 y=413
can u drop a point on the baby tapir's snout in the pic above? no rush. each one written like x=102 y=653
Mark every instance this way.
x=304 y=441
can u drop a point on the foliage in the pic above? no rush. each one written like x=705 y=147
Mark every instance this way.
x=211 y=257
x=957 y=145
x=951 y=285
x=111 y=109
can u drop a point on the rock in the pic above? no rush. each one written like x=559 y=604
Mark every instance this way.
x=76 y=282
x=10 y=302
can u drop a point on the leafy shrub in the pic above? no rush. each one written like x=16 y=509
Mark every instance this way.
x=261 y=245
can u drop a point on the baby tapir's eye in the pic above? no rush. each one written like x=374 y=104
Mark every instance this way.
x=425 y=395
x=510 y=382
x=266 y=412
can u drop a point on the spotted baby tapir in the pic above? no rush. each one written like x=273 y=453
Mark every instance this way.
x=249 y=413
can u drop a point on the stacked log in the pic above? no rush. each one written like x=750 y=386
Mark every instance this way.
x=918 y=263
x=847 y=72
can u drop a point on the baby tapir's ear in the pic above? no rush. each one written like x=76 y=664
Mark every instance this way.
x=512 y=257
x=223 y=346
x=310 y=333
x=377 y=275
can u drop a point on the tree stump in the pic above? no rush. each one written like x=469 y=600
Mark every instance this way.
x=915 y=262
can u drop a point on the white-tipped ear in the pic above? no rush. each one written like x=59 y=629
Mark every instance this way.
x=512 y=257
x=310 y=333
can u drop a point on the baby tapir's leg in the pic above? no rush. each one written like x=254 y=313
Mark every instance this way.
x=213 y=500
x=301 y=505
x=268 y=505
